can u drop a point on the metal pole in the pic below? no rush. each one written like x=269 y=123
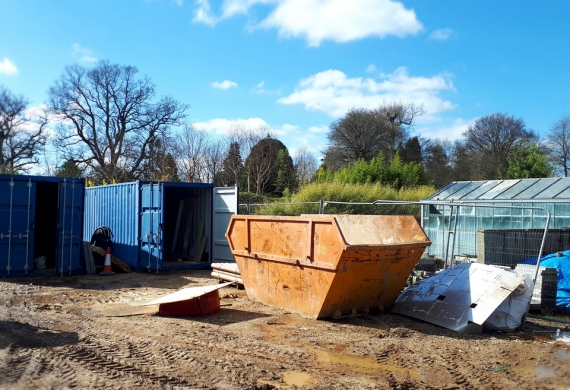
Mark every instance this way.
x=149 y=234
x=538 y=260
x=63 y=225
x=28 y=224
x=448 y=233
x=157 y=234
x=71 y=229
x=457 y=209
x=10 y=226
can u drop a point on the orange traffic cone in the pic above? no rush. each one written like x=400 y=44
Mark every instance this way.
x=107 y=270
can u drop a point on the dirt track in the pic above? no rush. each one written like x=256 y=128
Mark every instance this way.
x=84 y=332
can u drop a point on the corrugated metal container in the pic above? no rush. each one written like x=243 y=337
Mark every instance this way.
x=40 y=218
x=326 y=265
x=163 y=225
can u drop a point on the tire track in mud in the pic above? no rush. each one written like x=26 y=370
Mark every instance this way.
x=467 y=376
x=14 y=365
x=112 y=367
x=23 y=355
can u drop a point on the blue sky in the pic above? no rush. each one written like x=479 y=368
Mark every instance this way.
x=298 y=65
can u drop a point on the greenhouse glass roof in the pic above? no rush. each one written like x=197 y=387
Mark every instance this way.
x=557 y=188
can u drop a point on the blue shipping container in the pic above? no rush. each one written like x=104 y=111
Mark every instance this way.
x=40 y=218
x=163 y=225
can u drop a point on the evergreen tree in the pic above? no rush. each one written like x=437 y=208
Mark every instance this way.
x=69 y=169
x=232 y=166
x=263 y=167
x=411 y=151
x=286 y=178
x=437 y=166
x=526 y=163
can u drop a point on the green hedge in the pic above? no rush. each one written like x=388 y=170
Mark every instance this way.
x=359 y=193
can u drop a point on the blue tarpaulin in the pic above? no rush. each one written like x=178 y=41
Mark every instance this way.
x=560 y=261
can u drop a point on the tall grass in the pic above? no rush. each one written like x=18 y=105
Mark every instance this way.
x=341 y=192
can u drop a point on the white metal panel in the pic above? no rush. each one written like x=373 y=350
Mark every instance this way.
x=225 y=205
x=460 y=298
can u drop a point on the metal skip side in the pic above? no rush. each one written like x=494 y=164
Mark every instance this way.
x=322 y=266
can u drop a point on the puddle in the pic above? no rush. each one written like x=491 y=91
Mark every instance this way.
x=365 y=365
x=562 y=355
x=299 y=379
x=292 y=378
x=538 y=372
x=545 y=372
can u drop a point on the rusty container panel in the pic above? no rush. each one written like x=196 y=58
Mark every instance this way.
x=320 y=266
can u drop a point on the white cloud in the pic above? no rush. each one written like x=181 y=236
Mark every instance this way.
x=84 y=54
x=319 y=129
x=7 y=67
x=441 y=34
x=333 y=93
x=203 y=14
x=240 y=7
x=342 y=21
x=451 y=129
x=371 y=68
x=320 y=20
x=222 y=126
x=179 y=2
x=226 y=84
x=260 y=90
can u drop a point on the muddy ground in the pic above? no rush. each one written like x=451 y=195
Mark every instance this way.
x=86 y=332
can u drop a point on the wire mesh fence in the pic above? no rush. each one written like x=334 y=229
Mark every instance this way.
x=500 y=234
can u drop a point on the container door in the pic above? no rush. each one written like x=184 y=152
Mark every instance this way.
x=225 y=205
x=70 y=225
x=151 y=226
x=16 y=226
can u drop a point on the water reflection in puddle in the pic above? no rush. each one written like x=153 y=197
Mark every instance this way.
x=545 y=372
x=292 y=378
x=562 y=355
x=298 y=379
x=539 y=372
x=365 y=365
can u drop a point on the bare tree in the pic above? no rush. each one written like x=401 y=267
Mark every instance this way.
x=246 y=137
x=160 y=163
x=492 y=138
x=401 y=114
x=305 y=164
x=558 y=144
x=364 y=133
x=190 y=151
x=109 y=119
x=215 y=152
x=22 y=135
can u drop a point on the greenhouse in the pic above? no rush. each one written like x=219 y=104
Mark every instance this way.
x=498 y=221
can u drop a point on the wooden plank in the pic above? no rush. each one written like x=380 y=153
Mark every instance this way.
x=199 y=236
x=88 y=254
x=115 y=261
x=200 y=249
x=190 y=211
x=177 y=228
